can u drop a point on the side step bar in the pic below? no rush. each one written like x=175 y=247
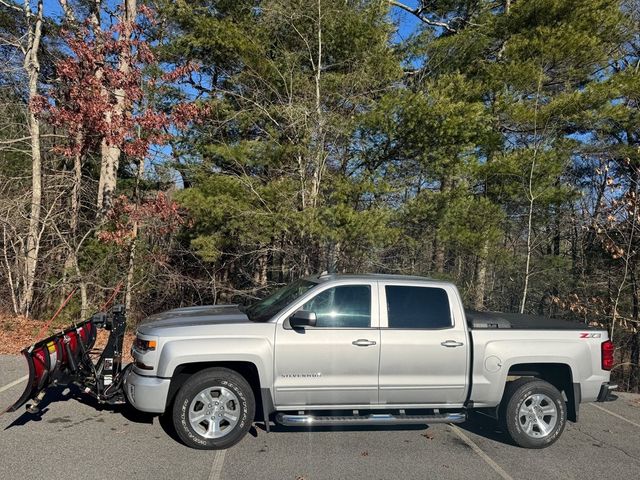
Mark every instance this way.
x=373 y=419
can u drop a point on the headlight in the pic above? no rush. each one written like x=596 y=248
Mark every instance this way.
x=145 y=345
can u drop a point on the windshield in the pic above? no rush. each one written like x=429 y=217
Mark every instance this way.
x=266 y=308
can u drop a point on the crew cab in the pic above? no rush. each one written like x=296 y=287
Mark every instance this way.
x=364 y=350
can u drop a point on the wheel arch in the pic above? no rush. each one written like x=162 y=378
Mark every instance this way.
x=558 y=374
x=248 y=370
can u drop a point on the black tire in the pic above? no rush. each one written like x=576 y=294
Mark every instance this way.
x=212 y=379
x=514 y=421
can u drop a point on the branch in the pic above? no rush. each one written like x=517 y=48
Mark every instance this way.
x=11 y=5
x=68 y=11
x=22 y=139
x=418 y=12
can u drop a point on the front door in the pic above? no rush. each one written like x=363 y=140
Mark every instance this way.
x=335 y=362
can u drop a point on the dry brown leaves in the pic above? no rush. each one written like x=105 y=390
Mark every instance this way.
x=18 y=332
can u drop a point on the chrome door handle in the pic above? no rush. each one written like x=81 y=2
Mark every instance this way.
x=363 y=342
x=451 y=343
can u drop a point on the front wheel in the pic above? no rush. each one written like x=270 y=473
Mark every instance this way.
x=214 y=409
x=533 y=413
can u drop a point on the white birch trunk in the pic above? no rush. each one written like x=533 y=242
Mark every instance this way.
x=32 y=68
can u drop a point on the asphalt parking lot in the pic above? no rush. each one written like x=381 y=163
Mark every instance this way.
x=72 y=439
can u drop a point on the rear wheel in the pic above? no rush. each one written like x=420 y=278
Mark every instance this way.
x=214 y=409
x=533 y=413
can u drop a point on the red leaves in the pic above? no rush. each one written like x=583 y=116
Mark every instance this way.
x=97 y=96
x=148 y=13
x=158 y=216
x=38 y=104
x=179 y=72
x=185 y=113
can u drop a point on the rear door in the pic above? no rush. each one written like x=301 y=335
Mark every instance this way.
x=336 y=362
x=423 y=356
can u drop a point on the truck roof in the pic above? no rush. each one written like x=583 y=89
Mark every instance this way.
x=324 y=277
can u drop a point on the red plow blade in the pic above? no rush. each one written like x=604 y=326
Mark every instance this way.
x=64 y=358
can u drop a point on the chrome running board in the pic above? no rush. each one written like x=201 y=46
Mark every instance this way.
x=373 y=419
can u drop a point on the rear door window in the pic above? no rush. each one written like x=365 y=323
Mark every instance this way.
x=417 y=307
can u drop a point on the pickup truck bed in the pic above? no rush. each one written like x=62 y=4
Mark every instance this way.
x=481 y=320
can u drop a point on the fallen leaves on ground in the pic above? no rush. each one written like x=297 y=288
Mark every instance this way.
x=17 y=333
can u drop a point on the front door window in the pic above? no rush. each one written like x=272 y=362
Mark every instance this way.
x=347 y=306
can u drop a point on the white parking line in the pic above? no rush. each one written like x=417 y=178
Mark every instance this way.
x=14 y=383
x=216 y=468
x=615 y=415
x=488 y=460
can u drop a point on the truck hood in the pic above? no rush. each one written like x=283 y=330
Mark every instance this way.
x=194 y=317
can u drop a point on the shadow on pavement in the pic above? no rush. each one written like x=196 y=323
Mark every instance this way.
x=276 y=427
x=487 y=427
x=66 y=393
x=167 y=425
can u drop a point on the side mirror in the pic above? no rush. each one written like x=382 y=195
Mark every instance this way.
x=301 y=319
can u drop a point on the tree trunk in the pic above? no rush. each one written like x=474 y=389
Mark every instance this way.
x=318 y=133
x=128 y=294
x=108 y=174
x=134 y=237
x=73 y=227
x=110 y=152
x=481 y=277
x=439 y=251
x=333 y=260
x=261 y=270
x=527 y=269
x=32 y=68
x=634 y=360
x=10 y=270
x=282 y=260
x=438 y=255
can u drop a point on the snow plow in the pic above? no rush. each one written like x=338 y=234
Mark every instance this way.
x=69 y=358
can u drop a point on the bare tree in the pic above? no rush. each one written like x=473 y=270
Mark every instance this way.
x=28 y=45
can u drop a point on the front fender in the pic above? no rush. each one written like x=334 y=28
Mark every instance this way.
x=258 y=351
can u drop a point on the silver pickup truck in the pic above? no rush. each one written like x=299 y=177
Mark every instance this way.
x=364 y=350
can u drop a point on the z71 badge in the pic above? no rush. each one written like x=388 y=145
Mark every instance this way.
x=590 y=335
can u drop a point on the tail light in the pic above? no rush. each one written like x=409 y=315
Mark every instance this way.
x=607 y=348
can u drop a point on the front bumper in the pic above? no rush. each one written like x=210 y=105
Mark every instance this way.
x=605 y=394
x=147 y=394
